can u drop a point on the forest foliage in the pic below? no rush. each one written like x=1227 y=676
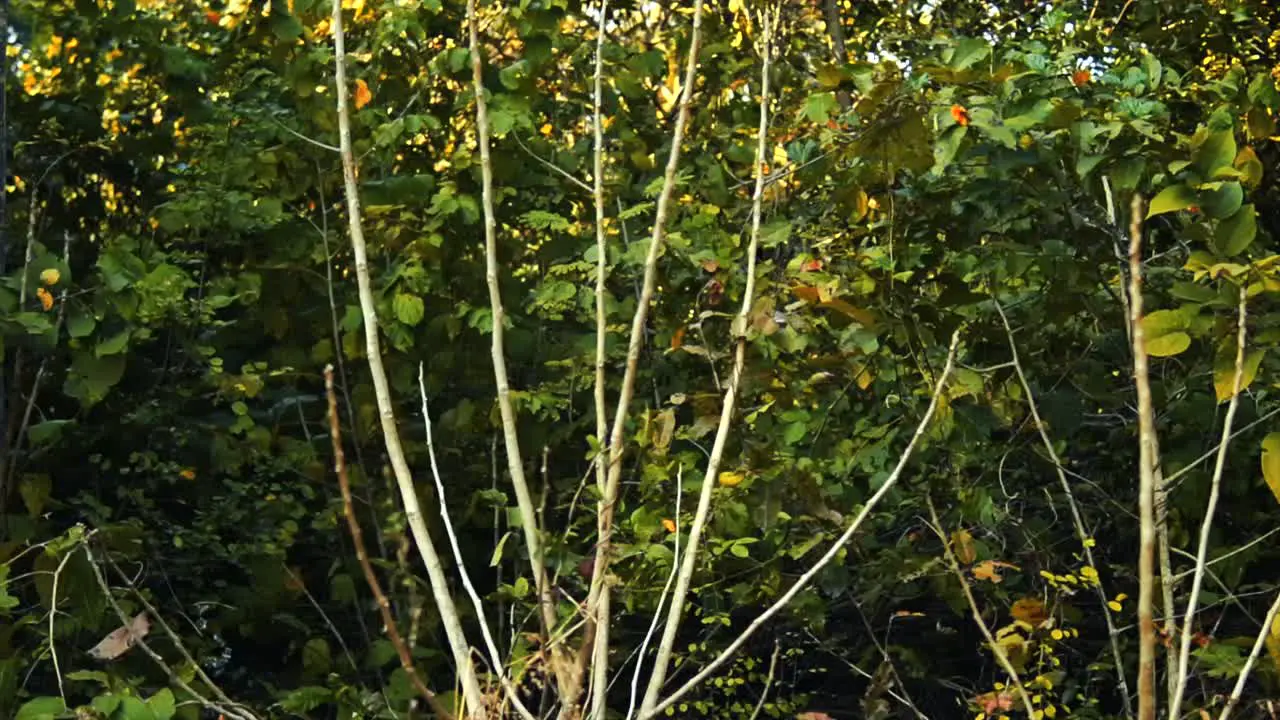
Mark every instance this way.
x=901 y=325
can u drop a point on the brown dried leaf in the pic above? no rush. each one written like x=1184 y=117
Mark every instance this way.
x=120 y=640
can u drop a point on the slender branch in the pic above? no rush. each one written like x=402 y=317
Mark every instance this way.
x=662 y=597
x=739 y=329
x=53 y=613
x=230 y=710
x=154 y=613
x=600 y=661
x=831 y=553
x=495 y=657
x=768 y=681
x=357 y=538
x=996 y=648
x=1146 y=475
x=1258 y=643
x=1206 y=526
x=550 y=165
x=1077 y=518
x=386 y=411
x=511 y=441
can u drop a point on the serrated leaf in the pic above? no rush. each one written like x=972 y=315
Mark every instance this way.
x=409 y=309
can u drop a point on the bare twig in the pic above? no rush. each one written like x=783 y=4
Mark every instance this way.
x=53 y=613
x=357 y=538
x=1258 y=644
x=1206 y=526
x=230 y=710
x=600 y=663
x=495 y=657
x=662 y=597
x=154 y=614
x=1146 y=475
x=831 y=553
x=768 y=681
x=510 y=437
x=1076 y=517
x=996 y=648
x=550 y=165
x=676 y=611
x=386 y=411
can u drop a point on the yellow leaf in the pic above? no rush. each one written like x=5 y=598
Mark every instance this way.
x=962 y=544
x=735 y=6
x=1271 y=463
x=1224 y=371
x=669 y=525
x=50 y=276
x=363 y=96
x=731 y=479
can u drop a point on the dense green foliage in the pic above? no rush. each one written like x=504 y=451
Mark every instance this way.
x=178 y=274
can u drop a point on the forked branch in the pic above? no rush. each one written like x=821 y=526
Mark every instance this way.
x=386 y=411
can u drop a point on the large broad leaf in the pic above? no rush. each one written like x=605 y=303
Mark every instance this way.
x=1221 y=200
x=1168 y=345
x=946 y=147
x=41 y=708
x=1236 y=233
x=1172 y=199
x=1271 y=462
x=409 y=309
x=1224 y=373
x=967 y=52
x=1212 y=150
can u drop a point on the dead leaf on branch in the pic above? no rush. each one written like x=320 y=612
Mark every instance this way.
x=990 y=570
x=120 y=640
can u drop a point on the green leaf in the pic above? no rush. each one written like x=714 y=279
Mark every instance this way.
x=946 y=147
x=132 y=708
x=162 y=704
x=35 y=489
x=1163 y=322
x=496 y=558
x=1171 y=199
x=819 y=107
x=1212 y=150
x=409 y=309
x=996 y=132
x=113 y=345
x=1222 y=201
x=1236 y=233
x=41 y=708
x=1168 y=345
x=306 y=699
x=967 y=52
x=1224 y=371
x=46 y=432
x=316 y=656
x=80 y=324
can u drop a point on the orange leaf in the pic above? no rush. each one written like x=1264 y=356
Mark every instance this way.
x=363 y=96
x=990 y=570
x=812 y=265
x=960 y=114
x=677 y=339
x=1081 y=77
x=669 y=525
x=1029 y=610
x=710 y=265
